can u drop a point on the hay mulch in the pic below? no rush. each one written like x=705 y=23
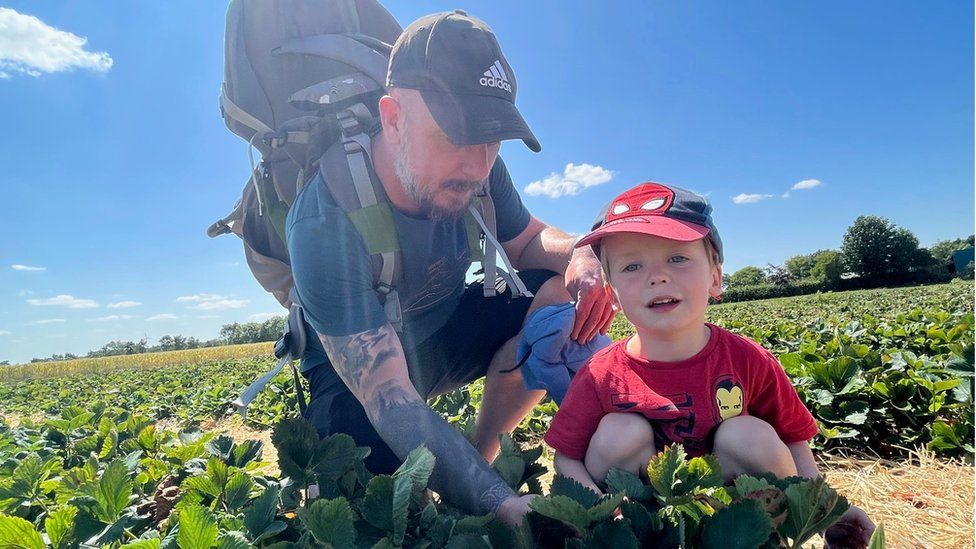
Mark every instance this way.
x=923 y=501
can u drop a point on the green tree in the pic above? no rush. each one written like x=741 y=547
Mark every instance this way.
x=799 y=266
x=827 y=267
x=942 y=251
x=747 y=276
x=878 y=250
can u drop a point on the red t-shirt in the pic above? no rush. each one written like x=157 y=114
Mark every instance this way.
x=684 y=400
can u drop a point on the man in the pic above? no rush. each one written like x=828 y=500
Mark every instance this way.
x=451 y=101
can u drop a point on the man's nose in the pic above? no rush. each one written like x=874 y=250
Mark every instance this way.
x=478 y=160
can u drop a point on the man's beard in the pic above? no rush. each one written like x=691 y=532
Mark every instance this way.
x=424 y=197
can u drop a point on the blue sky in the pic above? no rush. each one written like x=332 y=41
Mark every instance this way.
x=116 y=159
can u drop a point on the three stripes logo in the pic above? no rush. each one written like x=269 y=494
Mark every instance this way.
x=495 y=77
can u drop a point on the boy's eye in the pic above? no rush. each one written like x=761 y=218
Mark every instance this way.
x=631 y=268
x=678 y=259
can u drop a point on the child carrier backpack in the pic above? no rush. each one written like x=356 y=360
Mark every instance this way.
x=302 y=81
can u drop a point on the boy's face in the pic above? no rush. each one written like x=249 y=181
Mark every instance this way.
x=661 y=285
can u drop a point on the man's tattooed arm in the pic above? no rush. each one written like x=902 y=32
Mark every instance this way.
x=372 y=364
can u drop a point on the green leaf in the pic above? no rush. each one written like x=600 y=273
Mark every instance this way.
x=467 y=541
x=262 y=511
x=604 y=508
x=299 y=449
x=233 y=540
x=417 y=467
x=330 y=522
x=704 y=472
x=565 y=486
x=619 y=480
x=246 y=452
x=17 y=533
x=238 y=491
x=338 y=454
x=221 y=446
x=642 y=522
x=742 y=525
x=112 y=493
x=143 y=544
x=663 y=470
x=611 y=535
x=563 y=509
x=386 y=503
x=812 y=507
x=877 y=540
x=60 y=526
x=198 y=528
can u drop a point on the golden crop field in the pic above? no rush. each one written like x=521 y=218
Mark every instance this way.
x=39 y=370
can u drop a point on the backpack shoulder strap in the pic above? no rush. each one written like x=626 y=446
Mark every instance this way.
x=482 y=216
x=346 y=173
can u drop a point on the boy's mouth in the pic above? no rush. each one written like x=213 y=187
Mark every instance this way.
x=663 y=303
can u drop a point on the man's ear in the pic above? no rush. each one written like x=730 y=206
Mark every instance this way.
x=390 y=118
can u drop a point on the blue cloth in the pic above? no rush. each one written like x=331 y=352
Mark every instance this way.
x=549 y=358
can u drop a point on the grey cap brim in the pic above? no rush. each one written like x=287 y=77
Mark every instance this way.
x=477 y=119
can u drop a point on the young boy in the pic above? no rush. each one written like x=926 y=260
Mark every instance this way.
x=678 y=379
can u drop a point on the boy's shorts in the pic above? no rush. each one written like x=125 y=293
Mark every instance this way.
x=457 y=354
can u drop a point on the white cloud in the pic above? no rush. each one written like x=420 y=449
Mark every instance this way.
x=110 y=318
x=164 y=316
x=261 y=317
x=574 y=179
x=47 y=321
x=30 y=46
x=785 y=195
x=200 y=297
x=124 y=304
x=19 y=267
x=807 y=184
x=65 y=301
x=220 y=305
x=4 y=333
x=744 y=198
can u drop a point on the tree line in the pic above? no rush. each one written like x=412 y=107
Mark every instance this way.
x=874 y=253
x=230 y=334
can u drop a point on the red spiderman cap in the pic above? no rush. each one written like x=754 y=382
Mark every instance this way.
x=659 y=210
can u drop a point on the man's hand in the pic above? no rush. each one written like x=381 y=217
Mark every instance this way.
x=514 y=509
x=594 y=306
x=853 y=530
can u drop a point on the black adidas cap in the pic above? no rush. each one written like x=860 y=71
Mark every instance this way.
x=456 y=64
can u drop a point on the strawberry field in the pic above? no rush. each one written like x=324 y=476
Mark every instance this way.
x=85 y=463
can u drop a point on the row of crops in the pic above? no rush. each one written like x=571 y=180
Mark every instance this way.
x=883 y=372
x=104 y=477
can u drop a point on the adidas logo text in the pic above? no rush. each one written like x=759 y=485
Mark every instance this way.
x=495 y=77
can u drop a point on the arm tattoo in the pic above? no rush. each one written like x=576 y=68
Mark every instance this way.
x=358 y=355
x=460 y=474
x=404 y=420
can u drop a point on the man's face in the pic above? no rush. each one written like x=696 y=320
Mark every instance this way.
x=439 y=176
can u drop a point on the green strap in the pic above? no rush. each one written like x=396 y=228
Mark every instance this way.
x=375 y=224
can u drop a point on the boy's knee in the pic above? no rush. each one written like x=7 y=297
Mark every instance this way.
x=749 y=445
x=622 y=441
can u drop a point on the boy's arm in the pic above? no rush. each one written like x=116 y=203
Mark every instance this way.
x=854 y=528
x=576 y=470
x=806 y=464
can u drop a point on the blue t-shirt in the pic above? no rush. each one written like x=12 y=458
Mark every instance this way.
x=333 y=271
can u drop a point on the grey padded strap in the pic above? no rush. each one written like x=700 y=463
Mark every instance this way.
x=255 y=388
x=240 y=115
x=490 y=261
x=518 y=287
